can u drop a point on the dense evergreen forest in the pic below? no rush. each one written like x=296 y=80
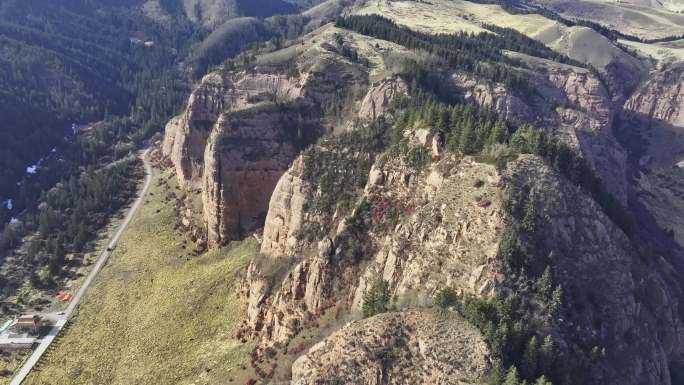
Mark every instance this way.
x=76 y=62
x=67 y=219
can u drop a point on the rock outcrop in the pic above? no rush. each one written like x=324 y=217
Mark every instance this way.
x=587 y=123
x=496 y=97
x=447 y=237
x=660 y=98
x=429 y=229
x=570 y=103
x=413 y=347
x=245 y=156
x=278 y=310
x=379 y=97
x=285 y=213
x=218 y=93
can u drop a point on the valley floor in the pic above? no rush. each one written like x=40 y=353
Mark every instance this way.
x=156 y=312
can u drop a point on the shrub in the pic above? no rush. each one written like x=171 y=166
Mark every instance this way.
x=446 y=297
x=376 y=299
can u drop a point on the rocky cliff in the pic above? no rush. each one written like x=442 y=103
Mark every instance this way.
x=241 y=130
x=601 y=273
x=448 y=235
x=661 y=97
x=652 y=126
x=569 y=102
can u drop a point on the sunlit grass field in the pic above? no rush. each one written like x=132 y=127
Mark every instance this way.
x=156 y=314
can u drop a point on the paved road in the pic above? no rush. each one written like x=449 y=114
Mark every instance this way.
x=62 y=320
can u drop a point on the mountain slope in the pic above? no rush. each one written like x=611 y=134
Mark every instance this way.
x=396 y=199
x=67 y=65
x=212 y=13
x=648 y=19
x=443 y=192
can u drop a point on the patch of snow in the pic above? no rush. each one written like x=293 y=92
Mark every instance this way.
x=14 y=221
x=32 y=169
x=8 y=204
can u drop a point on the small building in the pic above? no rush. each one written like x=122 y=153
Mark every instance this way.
x=29 y=322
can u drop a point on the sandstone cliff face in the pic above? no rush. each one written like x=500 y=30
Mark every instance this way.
x=450 y=222
x=661 y=97
x=429 y=229
x=236 y=159
x=588 y=125
x=285 y=213
x=186 y=135
x=448 y=236
x=653 y=124
x=411 y=347
x=279 y=310
x=244 y=159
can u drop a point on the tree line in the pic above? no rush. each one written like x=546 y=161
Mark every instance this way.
x=480 y=53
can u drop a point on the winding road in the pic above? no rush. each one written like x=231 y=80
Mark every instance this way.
x=63 y=317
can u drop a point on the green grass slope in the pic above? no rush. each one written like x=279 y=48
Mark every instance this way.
x=156 y=315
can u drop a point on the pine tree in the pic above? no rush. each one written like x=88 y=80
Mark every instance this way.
x=545 y=283
x=530 y=358
x=512 y=377
x=499 y=133
x=529 y=220
x=547 y=355
x=468 y=140
x=376 y=299
x=444 y=120
x=454 y=122
x=446 y=297
x=556 y=301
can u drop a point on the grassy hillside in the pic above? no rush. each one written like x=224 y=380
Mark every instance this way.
x=450 y=16
x=156 y=315
x=648 y=19
x=213 y=13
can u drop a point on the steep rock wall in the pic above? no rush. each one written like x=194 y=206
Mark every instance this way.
x=186 y=135
x=244 y=159
x=661 y=97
